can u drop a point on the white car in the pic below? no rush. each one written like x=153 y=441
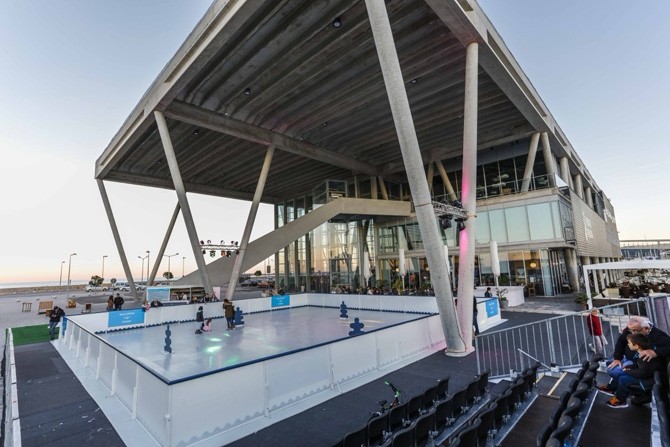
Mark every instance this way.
x=90 y=288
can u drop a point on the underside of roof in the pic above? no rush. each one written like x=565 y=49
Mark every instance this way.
x=257 y=72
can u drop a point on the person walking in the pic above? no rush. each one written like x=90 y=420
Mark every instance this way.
x=596 y=330
x=118 y=302
x=54 y=319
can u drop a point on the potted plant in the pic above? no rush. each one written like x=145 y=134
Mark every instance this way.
x=502 y=298
x=583 y=299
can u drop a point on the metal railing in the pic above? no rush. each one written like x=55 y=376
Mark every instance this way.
x=562 y=342
x=11 y=433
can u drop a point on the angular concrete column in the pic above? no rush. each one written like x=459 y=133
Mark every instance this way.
x=409 y=146
x=382 y=187
x=151 y=276
x=565 y=171
x=548 y=159
x=530 y=161
x=445 y=179
x=117 y=239
x=373 y=188
x=466 y=237
x=183 y=200
x=579 y=188
x=251 y=218
x=429 y=176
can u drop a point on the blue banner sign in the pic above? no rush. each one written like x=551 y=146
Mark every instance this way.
x=281 y=300
x=158 y=293
x=125 y=317
x=492 y=308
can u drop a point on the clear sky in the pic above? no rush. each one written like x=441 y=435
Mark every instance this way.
x=73 y=70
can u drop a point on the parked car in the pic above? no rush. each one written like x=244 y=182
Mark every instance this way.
x=266 y=284
x=249 y=283
x=90 y=288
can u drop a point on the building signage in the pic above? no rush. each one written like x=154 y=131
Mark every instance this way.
x=125 y=317
x=281 y=300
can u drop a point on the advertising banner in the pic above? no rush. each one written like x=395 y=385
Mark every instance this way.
x=281 y=300
x=125 y=317
x=158 y=293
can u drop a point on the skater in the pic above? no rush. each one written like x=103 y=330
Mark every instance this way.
x=229 y=313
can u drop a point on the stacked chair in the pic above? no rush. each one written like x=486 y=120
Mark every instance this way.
x=570 y=407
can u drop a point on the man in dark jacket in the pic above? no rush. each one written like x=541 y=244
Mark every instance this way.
x=54 y=319
x=659 y=343
x=640 y=373
x=118 y=302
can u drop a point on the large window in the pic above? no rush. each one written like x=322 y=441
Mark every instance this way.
x=541 y=221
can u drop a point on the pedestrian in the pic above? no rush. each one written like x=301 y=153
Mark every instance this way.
x=118 y=302
x=488 y=293
x=199 y=315
x=475 y=312
x=229 y=313
x=54 y=319
x=596 y=330
x=110 y=303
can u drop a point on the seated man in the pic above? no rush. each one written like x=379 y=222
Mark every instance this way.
x=623 y=355
x=640 y=373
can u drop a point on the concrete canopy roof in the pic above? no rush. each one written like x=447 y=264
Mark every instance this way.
x=254 y=72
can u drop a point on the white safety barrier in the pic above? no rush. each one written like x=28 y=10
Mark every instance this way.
x=12 y=421
x=221 y=407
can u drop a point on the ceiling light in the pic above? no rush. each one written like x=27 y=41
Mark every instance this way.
x=247 y=91
x=337 y=23
x=196 y=132
x=414 y=81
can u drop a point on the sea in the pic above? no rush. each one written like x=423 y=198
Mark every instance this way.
x=16 y=285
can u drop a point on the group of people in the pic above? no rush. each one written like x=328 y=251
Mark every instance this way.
x=115 y=302
x=206 y=324
x=640 y=350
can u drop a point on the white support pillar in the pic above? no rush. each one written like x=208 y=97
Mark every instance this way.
x=183 y=200
x=530 y=161
x=548 y=159
x=445 y=179
x=411 y=154
x=429 y=176
x=571 y=266
x=161 y=251
x=374 y=195
x=588 y=196
x=579 y=189
x=117 y=239
x=565 y=171
x=251 y=218
x=466 y=258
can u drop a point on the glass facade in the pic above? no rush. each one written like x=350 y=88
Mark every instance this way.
x=331 y=256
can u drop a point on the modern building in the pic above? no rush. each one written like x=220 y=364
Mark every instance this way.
x=351 y=118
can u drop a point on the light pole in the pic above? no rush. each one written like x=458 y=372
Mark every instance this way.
x=103 y=268
x=142 y=258
x=69 y=264
x=169 y=256
x=148 y=268
x=182 y=265
x=60 y=280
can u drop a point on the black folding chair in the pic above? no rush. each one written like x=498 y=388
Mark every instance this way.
x=487 y=428
x=573 y=407
x=564 y=428
x=443 y=388
x=444 y=414
x=414 y=407
x=397 y=416
x=460 y=402
x=543 y=435
x=471 y=393
x=469 y=436
x=429 y=397
x=404 y=438
x=356 y=438
x=483 y=387
x=424 y=428
x=378 y=428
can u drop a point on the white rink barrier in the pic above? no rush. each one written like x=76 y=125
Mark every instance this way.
x=12 y=421
x=221 y=407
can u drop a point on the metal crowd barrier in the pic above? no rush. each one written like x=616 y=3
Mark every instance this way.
x=562 y=342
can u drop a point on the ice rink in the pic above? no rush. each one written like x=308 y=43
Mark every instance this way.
x=264 y=335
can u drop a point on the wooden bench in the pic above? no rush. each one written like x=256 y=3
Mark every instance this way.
x=27 y=306
x=44 y=306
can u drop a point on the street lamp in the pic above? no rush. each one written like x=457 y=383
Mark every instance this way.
x=148 y=268
x=103 y=268
x=69 y=264
x=169 y=256
x=143 y=258
x=182 y=265
x=60 y=280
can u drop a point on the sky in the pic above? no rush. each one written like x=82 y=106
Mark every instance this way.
x=73 y=70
